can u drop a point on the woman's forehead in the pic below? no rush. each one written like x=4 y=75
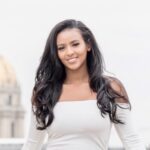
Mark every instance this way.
x=68 y=35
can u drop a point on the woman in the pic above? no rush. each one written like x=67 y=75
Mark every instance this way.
x=73 y=102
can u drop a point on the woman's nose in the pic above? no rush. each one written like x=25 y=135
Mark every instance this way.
x=69 y=51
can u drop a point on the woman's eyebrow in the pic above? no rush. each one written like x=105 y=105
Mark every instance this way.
x=74 y=41
x=60 y=44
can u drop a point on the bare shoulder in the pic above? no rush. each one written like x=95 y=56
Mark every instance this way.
x=119 y=88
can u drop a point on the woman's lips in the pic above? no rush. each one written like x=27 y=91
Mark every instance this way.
x=72 y=60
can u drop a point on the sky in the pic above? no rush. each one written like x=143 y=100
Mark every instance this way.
x=121 y=28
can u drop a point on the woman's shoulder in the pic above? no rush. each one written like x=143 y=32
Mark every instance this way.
x=117 y=86
x=114 y=81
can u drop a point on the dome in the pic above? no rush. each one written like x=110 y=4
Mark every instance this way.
x=7 y=73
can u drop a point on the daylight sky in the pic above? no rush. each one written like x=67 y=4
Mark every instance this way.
x=121 y=28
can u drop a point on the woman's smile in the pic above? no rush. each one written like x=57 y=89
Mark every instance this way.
x=72 y=60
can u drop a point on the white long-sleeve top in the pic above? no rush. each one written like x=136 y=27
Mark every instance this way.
x=78 y=125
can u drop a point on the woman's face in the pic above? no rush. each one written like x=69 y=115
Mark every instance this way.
x=72 y=49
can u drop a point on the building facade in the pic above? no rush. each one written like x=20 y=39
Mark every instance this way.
x=11 y=110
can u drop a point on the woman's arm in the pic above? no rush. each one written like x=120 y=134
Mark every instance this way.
x=127 y=132
x=35 y=137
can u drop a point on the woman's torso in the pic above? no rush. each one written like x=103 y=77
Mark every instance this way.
x=78 y=123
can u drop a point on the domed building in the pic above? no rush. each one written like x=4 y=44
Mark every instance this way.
x=11 y=110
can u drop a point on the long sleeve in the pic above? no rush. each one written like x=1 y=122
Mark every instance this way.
x=35 y=137
x=127 y=133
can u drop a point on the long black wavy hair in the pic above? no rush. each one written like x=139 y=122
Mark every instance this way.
x=51 y=74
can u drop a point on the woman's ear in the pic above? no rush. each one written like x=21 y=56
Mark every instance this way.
x=88 y=47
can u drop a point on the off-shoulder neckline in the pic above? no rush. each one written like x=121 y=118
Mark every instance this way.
x=77 y=101
x=86 y=101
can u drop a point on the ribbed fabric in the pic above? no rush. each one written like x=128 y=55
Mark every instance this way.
x=78 y=125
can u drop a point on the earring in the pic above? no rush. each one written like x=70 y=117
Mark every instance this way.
x=89 y=49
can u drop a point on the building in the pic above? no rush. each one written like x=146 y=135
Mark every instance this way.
x=11 y=110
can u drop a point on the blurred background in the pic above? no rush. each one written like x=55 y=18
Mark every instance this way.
x=122 y=30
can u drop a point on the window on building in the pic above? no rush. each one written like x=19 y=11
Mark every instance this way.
x=9 y=100
x=12 y=130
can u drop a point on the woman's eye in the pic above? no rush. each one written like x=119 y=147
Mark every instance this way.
x=60 y=48
x=76 y=44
